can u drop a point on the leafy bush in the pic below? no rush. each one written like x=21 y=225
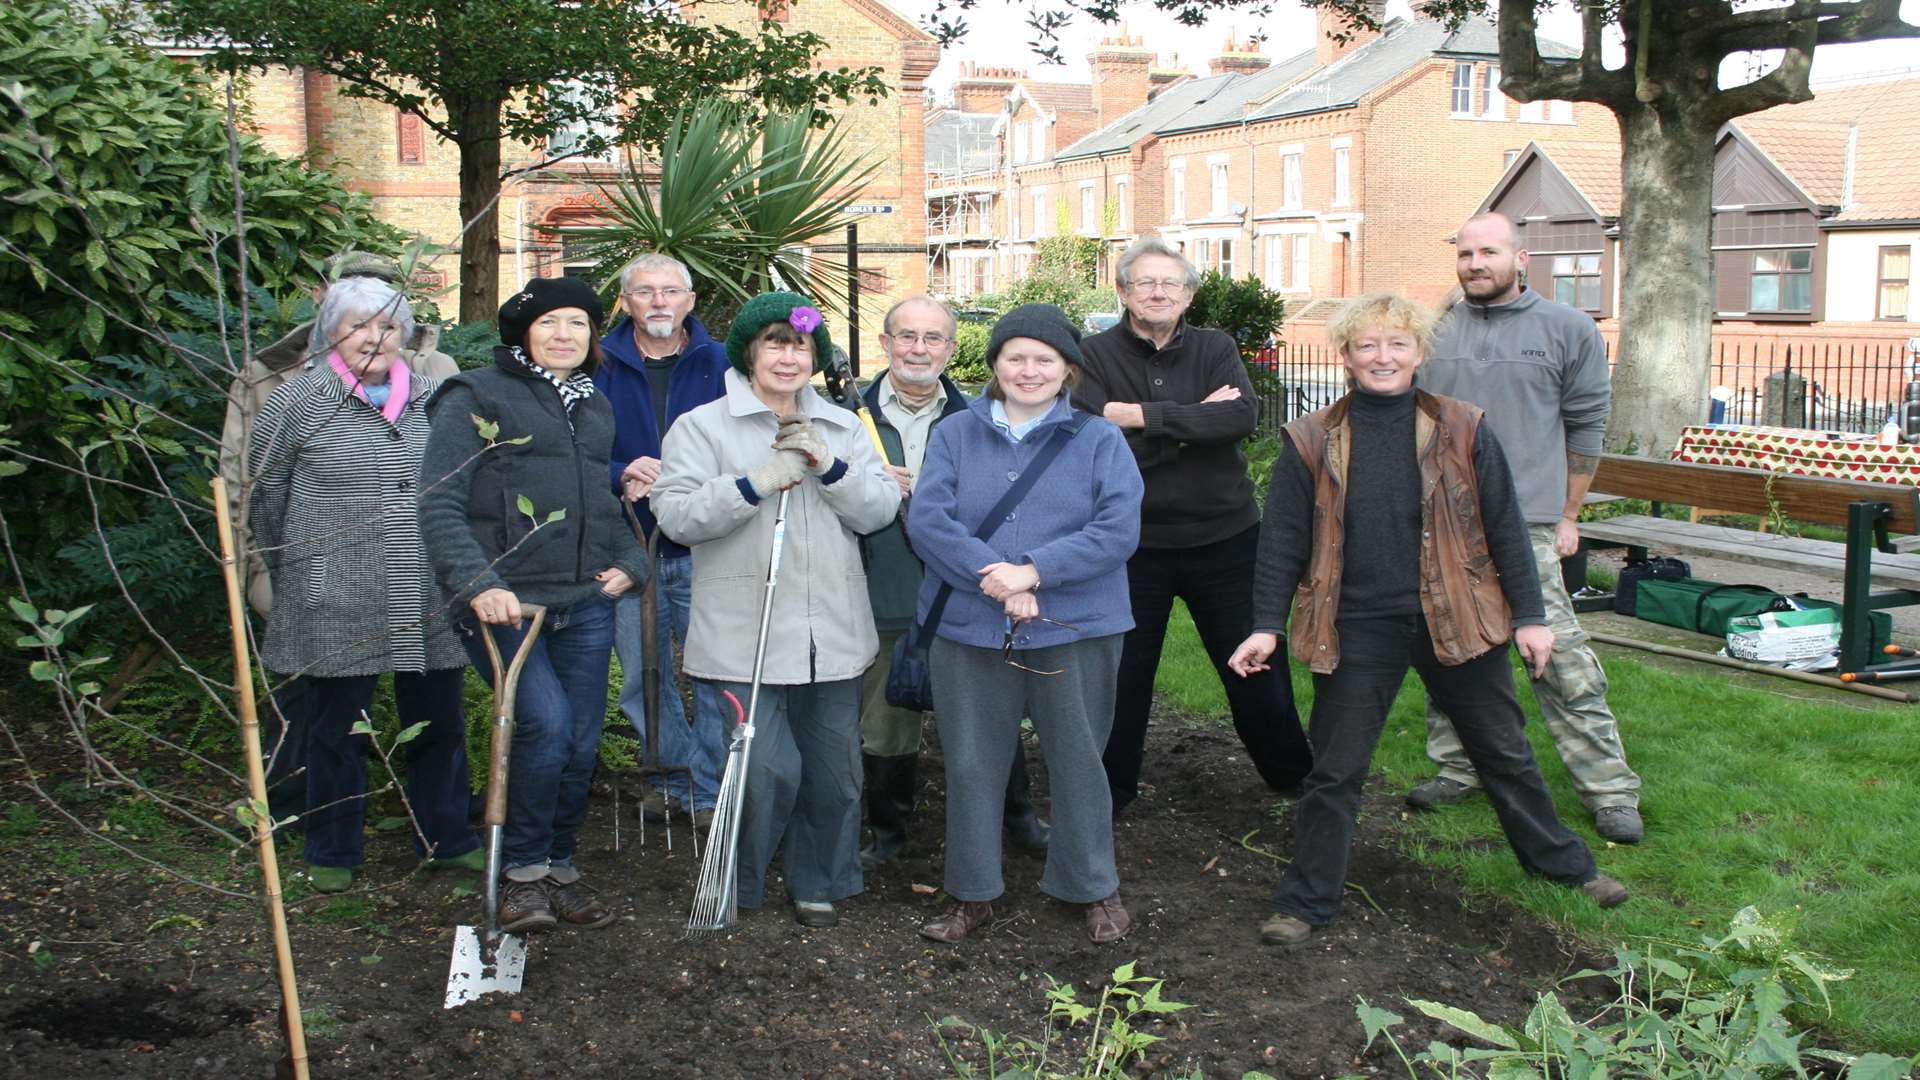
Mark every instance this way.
x=1049 y=286
x=969 y=363
x=1717 y=1008
x=1246 y=309
x=470 y=344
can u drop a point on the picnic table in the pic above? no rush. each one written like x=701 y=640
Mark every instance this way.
x=1799 y=452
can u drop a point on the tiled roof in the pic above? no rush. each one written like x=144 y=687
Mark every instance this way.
x=1809 y=140
x=1163 y=113
x=1052 y=97
x=1593 y=168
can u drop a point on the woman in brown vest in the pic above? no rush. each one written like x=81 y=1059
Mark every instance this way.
x=1440 y=579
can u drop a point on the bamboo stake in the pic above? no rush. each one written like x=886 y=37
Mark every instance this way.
x=1761 y=669
x=257 y=787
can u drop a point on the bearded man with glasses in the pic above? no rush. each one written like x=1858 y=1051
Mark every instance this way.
x=662 y=363
x=1181 y=395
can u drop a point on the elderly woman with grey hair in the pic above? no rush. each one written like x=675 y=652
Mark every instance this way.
x=336 y=458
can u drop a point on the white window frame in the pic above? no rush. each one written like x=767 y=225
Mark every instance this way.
x=1089 y=209
x=1121 y=186
x=1219 y=188
x=1342 y=172
x=1287 y=257
x=1292 y=176
x=563 y=139
x=1019 y=143
x=1040 y=226
x=1459 y=88
x=1533 y=112
x=1559 y=111
x=1493 y=103
x=1300 y=276
x=1177 y=188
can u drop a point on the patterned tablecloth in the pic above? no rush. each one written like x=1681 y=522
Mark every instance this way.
x=1800 y=451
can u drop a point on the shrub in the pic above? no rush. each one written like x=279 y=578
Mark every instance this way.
x=969 y=363
x=1246 y=309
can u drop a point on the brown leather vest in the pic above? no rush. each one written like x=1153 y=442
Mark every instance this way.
x=1466 y=612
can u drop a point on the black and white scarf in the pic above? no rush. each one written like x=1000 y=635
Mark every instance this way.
x=573 y=389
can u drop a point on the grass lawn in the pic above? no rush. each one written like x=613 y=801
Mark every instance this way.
x=1750 y=798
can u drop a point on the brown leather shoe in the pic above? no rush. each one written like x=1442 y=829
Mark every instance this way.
x=525 y=907
x=1283 y=929
x=1604 y=891
x=575 y=905
x=959 y=921
x=1107 y=920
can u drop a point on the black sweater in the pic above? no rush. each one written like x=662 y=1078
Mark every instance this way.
x=1189 y=454
x=1382 y=566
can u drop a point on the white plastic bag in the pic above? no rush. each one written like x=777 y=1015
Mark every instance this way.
x=1801 y=640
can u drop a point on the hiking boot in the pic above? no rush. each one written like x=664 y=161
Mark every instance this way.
x=1284 y=929
x=330 y=879
x=818 y=914
x=1605 y=892
x=574 y=905
x=1620 y=824
x=1107 y=920
x=961 y=917
x=525 y=907
x=891 y=782
x=1439 y=792
x=475 y=860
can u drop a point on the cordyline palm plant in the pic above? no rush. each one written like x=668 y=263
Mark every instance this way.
x=735 y=198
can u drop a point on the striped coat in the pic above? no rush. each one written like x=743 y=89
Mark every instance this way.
x=334 y=514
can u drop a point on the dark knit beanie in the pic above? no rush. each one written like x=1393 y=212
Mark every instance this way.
x=1041 y=322
x=772 y=307
x=542 y=295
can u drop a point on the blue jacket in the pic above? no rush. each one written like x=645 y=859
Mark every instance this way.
x=893 y=574
x=698 y=378
x=1077 y=526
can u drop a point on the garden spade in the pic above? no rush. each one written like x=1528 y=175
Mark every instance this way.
x=485 y=960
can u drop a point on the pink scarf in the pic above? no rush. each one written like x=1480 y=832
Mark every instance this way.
x=398 y=377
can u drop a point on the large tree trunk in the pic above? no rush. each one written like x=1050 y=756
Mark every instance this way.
x=479 y=126
x=1667 y=301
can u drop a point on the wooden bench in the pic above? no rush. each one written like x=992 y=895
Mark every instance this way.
x=1868 y=512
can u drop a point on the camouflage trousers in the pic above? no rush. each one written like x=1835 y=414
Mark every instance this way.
x=1572 y=698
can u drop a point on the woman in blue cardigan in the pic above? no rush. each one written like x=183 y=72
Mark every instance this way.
x=1033 y=618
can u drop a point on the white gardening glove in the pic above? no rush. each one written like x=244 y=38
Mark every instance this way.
x=781 y=470
x=797 y=433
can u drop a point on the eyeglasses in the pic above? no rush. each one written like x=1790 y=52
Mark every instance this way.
x=931 y=341
x=1145 y=285
x=1006 y=647
x=670 y=294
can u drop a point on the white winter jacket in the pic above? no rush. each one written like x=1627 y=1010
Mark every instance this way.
x=822 y=628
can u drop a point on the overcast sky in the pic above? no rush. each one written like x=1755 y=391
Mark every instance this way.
x=999 y=32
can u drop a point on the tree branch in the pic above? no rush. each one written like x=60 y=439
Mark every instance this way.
x=1786 y=83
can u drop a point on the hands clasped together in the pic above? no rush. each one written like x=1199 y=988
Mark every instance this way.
x=798 y=450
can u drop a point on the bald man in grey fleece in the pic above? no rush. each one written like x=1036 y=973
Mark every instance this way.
x=1539 y=370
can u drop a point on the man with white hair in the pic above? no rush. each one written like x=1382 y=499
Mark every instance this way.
x=660 y=363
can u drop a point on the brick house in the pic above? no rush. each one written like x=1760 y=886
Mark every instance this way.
x=1338 y=170
x=1816 y=217
x=413 y=177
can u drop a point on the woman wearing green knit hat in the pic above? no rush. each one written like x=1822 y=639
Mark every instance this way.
x=723 y=468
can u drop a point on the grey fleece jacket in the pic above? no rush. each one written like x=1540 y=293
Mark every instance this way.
x=1539 y=369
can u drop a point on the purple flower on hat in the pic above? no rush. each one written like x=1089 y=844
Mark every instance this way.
x=804 y=319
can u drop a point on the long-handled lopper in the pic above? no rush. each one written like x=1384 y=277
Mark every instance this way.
x=497 y=962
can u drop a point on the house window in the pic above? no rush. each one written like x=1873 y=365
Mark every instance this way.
x=1209 y=254
x=1290 y=181
x=1508 y=157
x=1089 y=212
x=1533 y=112
x=1342 y=180
x=1039 y=223
x=570 y=137
x=1036 y=141
x=1288 y=262
x=1180 y=191
x=1782 y=281
x=1576 y=281
x=1463 y=89
x=1301 y=279
x=1019 y=143
x=1217 y=176
x=1896 y=270
x=1559 y=112
x=1493 y=103
x=1120 y=189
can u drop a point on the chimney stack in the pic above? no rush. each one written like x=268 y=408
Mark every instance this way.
x=1243 y=57
x=1120 y=65
x=1159 y=78
x=982 y=89
x=1328 y=24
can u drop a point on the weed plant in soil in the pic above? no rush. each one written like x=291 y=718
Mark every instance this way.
x=1750 y=798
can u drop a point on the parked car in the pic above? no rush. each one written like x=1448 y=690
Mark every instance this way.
x=1101 y=320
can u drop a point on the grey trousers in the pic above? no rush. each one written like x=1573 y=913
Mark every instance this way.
x=1572 y=698
x=803 y=791
x=979 y=701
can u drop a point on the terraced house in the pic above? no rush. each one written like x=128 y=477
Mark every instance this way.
x=1343 y=168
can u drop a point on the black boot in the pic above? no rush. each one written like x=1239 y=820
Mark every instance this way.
x=891 y=785
x=1025 y=828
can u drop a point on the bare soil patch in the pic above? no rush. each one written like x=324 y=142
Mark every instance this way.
x=153 y=978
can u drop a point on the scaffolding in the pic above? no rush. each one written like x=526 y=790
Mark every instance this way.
x=963 y=176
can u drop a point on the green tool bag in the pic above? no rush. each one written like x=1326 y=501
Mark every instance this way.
x=1705 y=607
x=1881 y=621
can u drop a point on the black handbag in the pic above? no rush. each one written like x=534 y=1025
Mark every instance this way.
x=1626 y=590
x=909 y=677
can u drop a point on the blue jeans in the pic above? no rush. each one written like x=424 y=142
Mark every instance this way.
x=561 y=703
x=336 y=760
x=703 y=746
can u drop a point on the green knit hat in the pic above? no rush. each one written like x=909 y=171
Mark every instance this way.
x=773 y=307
